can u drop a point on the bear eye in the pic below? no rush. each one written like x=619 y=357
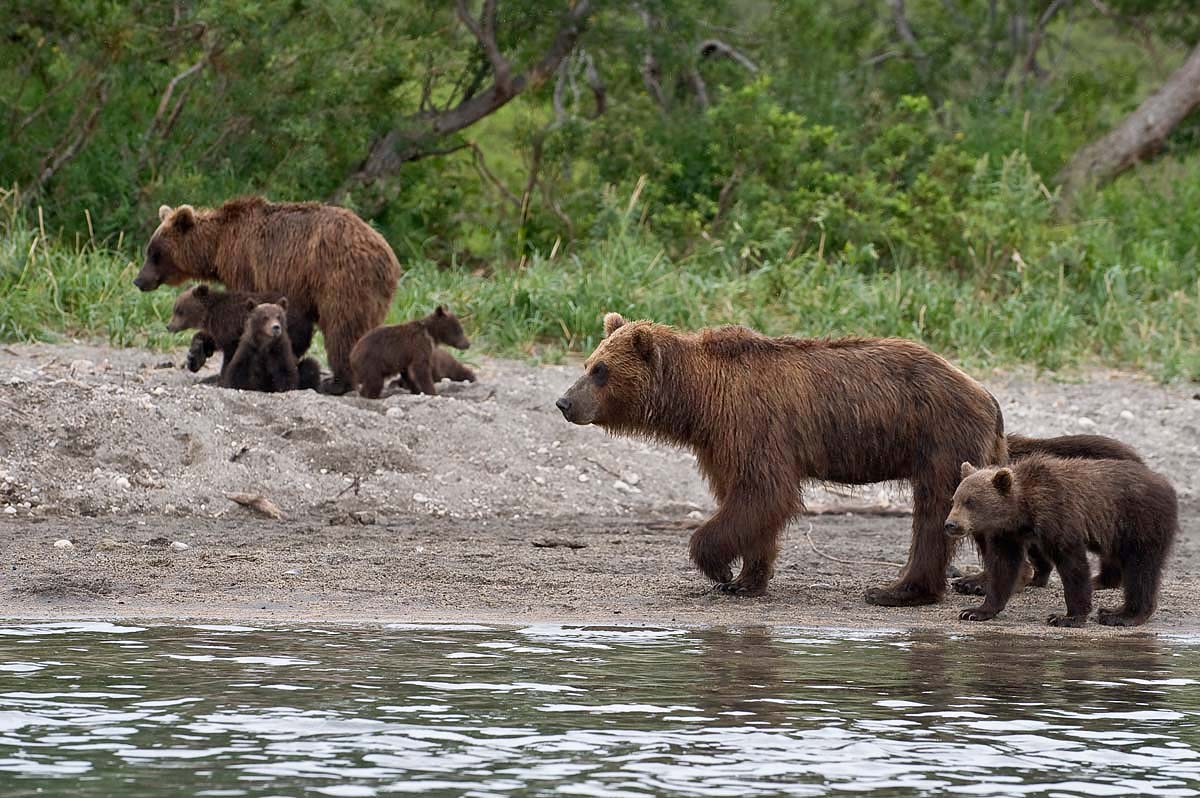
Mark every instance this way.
x=600 y=374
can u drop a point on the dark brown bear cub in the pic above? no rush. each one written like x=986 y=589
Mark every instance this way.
x=406 y=349
x=1119 y=509
x=444 y=366
x=264 y=360
x=766 y=415
x=220 y=317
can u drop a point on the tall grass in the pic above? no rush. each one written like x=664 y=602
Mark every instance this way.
x=1120 y=288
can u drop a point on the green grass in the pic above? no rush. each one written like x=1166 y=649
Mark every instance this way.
x=1120 y=288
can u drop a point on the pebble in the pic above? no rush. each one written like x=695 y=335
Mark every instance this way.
x=394 y=412
x=625 y=487
x=105 y=544
x=64 y=544
x=420 y=498
x=540 y=480
x=179 y=545
x=584 y=478
x=630 y=477
x=1085 y=422
x=1128 y=416
x=122 y=482
x=292 y=572
x=10 y=510
x=696 y=514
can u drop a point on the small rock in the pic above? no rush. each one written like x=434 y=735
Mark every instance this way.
x=543 y=450
x=169 y=509
x=159 y=391
x=394 y=412
x=122 y=482
x=292 y=572
x=1085 y=422
x=584 y=478
x=420 y=498
x=82 y=365
x=696 y=514
x=179 y=545
x=107 y=544
x=1127 y=415
x=631 y=477
x=10 y=510
x=625 y=487
x=64 y=544
x=540 y=480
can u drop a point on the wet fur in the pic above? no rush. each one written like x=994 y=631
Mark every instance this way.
x=1036 y=573
x=1119 y=509
x=765 y=415
x=334 y=268
x=406 y=349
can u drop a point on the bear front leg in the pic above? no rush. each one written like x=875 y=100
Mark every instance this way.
x=746 y=525
x=421 y=376
x=1003 y=566
x=975 y=584
x=1076 y=578
x=202 y=348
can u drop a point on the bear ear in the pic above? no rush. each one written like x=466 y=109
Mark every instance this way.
x=184 y=218
x=612 y=322
x=163 y=212
x=967 y=470
x=200 y=291
x=440 y=311
x=282 y=303
x=1002 y=481
x=251 y=305
x=643 y=344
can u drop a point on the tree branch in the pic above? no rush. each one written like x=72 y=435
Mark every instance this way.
x=905 y=31
x=412 y=139
x=485 y=33
x=710 y=48
x=1039 y=32
x=69 y=147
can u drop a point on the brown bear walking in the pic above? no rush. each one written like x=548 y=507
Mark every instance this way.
x=1090 y=447
x=406 y=349
x=766 y=415
x=334 y=269
x=220 y=317
x=1067 y=506
x=264 y=360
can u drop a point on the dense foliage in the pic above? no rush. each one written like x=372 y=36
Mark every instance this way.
x=807 y=166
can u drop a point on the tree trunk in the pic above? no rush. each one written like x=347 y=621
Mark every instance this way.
x=1140 y=134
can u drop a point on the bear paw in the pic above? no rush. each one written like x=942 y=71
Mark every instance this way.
x=900 y=595
x=1066 y=620
x=970 y=585
x=742 y=589
x=976 y=614
x=1118 y=617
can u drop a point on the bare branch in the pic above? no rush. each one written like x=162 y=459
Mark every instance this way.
x=1039 y=32
x=900 y=20
x=699 y=87
x=69 y=147
x=710 y=48
x=485 y=32
x=486 y=174
x=651 y=71
x=592 y=75
x=411 y=139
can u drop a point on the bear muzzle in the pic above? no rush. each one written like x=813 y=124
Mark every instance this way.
x=955 y=529
x=146 y=281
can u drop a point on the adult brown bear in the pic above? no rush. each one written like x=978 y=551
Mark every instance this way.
x=333 y=268
x=766 y=415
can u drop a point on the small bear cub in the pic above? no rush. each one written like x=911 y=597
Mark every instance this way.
x=1118 y=509
x=406 y=349
x=264 y=360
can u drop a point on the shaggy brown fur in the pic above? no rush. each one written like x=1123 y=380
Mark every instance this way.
x=444 y=366
x=220 y=317
x=404 y=348
x=765 y=415
x=1067 y=506
x=335 y=270
x=264 y=360
x=1036 y=573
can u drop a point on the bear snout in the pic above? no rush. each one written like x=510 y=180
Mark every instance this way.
x=144 y=283
x=954 y=529
x=564 y=405
x=172 y=325
x=276 y=329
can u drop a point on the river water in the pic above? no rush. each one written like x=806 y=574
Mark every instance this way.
x=97 y=709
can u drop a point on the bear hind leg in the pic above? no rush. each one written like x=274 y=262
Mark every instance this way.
x=1140 y=577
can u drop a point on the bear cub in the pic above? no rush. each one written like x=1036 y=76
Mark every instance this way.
x=406 y=349
x=1119 y=509
x=264 y=360
x=444 y=366
x=220 y=317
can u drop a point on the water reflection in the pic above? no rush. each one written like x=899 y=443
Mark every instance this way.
x=102 y=709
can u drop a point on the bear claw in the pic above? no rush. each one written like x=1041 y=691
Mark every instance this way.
x=976 y=614
x=1074 y=621
x=969 y=585
x=899 y=596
